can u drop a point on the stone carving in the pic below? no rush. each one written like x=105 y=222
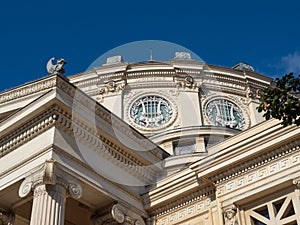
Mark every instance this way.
x=111 y=86
x=230 y=215
x=186 y=82
x=57 y=69
x=75 y=190
x=118 y=214
x=6 y=218
x=254 y=93
x=296 y=182
x=48 y=174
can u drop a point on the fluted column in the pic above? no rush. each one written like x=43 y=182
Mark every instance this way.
x=50 y=189
x=48 y=205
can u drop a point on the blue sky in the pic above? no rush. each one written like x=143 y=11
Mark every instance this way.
x=264 y=34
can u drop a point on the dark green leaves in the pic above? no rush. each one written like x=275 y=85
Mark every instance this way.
x=282 y=101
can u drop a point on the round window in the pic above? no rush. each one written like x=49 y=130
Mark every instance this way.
x=222 y=112
x=151 y=111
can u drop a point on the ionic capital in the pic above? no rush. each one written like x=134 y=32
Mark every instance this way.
x=230 y=215
x=117 y=214
x=296 y=182
x=6 y=218
x=49 y=174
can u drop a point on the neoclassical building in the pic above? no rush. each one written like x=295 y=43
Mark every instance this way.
x=148 y=143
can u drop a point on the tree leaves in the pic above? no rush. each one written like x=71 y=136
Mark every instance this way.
x=282 y=101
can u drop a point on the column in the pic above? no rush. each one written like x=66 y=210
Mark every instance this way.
x=48 y=205
x=51 y=187
x=6 y=218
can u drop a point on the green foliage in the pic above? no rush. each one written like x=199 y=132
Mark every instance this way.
x=282 y=102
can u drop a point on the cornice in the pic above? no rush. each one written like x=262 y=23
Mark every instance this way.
x=256 y=163
x=27 y=131
x=105 y=147
x=55 y=115
x=182 y=202
x=28 y=89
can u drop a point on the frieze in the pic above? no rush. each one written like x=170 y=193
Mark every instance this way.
x=200 y=195
x=256 y=162
x=262 y=170
x=186 y=212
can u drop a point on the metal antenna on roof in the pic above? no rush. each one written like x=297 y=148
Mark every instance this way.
x=150 y=51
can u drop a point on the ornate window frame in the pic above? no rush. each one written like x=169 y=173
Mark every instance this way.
x=168 y=98
x=238 y=102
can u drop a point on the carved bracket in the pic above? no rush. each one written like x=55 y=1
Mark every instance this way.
x=186 y=82
x=48 y=174
x=110 y=87
x=117 y=214
x=254 y=93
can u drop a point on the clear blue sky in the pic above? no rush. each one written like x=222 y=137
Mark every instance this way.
x=265 y=34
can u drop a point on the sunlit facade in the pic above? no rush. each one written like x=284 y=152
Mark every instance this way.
x=147 y=143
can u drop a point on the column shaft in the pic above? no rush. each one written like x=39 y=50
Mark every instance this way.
x=48 y=205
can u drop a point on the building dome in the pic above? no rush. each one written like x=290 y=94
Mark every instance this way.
x=182 y=105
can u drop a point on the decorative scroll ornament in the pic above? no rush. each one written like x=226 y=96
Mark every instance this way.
x=118 y=214
x=254 y=93
x=110 y=87
x=75 y=190
x=48 y=175
x=57 y=69
x=186 y=82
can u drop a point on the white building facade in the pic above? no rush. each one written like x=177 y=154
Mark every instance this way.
x=176 y=142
